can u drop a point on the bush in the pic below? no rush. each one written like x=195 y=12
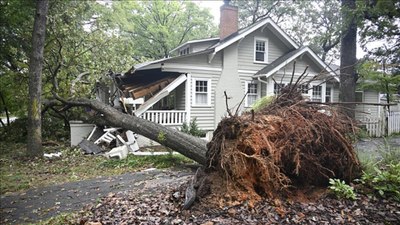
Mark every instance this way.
x=341 y=189
x=262 y=103
x=16 y=132
x=385 y=181
x=52 y=129
x=192 y=129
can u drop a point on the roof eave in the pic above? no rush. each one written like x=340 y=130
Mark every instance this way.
x=158 y=63
x=304 y=50
x=244 y=34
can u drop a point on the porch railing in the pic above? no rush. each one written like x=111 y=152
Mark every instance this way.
x=165 y=117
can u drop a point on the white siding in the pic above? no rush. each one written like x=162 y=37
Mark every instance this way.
x=368 y=110
x=301 y=64
x=276 y=49
x=335 y=96
x=198 y=61
x=204 y=114
x=180 y=97
x=196 y=47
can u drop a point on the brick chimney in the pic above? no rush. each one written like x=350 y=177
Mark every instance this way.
x=228 y=23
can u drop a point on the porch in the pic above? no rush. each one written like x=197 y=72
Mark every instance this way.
x=166 y=117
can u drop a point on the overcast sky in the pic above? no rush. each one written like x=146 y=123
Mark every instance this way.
x=213 y=6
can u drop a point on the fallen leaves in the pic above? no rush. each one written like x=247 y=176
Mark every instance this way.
x=163 y=205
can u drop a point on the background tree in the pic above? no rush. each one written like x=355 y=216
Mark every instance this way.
x=16 y=32
x=313 y=23
x=380 y=32
x=380 y=78
x=159 y=26
x=254 y=10
x=85 y=40
x=348 y=58
x=35 y=80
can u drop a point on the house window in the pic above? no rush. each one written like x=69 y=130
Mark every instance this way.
x=202 y=92
x=260 y=50
x=252 y=93
x=328 y=94
x=304 y=88
x=317 y=93
x=278 y=87
x=184 y=51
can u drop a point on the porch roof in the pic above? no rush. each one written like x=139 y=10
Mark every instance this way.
x=161 y=94
x=145 y=83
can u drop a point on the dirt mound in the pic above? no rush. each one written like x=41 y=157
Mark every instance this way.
x=288 y=145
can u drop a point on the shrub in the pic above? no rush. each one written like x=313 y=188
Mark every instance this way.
x=262 y=103
x=385 y=181
x=341 y=189
x=192 y=129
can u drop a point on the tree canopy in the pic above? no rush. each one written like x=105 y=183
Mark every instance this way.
x=159 y=26
x=314 y=23
x=87 y=39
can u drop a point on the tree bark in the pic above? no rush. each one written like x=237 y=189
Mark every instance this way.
x=34 y=140
x=348 y=58
x=189 y=146
x=5 y=110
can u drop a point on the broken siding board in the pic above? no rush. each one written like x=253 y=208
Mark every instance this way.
x=161 y=94
x=150 y=90
x=136 y=87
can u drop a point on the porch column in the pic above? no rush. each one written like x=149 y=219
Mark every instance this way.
x=188 y=96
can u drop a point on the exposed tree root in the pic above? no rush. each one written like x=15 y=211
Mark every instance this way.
x=286 y=146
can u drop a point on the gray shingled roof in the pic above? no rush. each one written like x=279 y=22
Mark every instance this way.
x=233 y=35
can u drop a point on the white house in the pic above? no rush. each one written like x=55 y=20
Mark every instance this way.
x=191 y=83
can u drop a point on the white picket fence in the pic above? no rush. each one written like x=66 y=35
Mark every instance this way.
x=376 y=126
x=393 y=122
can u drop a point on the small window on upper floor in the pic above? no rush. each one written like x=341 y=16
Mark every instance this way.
x=184 y=51
x=261 y=50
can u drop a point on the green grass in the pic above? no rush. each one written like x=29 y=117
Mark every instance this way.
x=17 y=173
x=71 y=218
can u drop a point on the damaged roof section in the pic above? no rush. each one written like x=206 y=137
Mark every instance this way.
x=145 y=83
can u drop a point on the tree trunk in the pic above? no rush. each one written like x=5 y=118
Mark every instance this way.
x=34 y=140
x=189 y=146
x=348 y=57
x=5 y=110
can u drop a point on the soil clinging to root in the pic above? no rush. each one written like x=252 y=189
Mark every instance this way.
x=287 y=146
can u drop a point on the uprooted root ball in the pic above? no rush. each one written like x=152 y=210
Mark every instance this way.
x=287 y=144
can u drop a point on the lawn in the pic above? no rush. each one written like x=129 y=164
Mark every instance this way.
x=18 y=173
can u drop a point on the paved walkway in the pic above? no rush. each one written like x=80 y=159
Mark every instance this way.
x=41 y=203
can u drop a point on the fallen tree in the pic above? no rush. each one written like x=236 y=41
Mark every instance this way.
x=189 y=146
x=287 y=146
